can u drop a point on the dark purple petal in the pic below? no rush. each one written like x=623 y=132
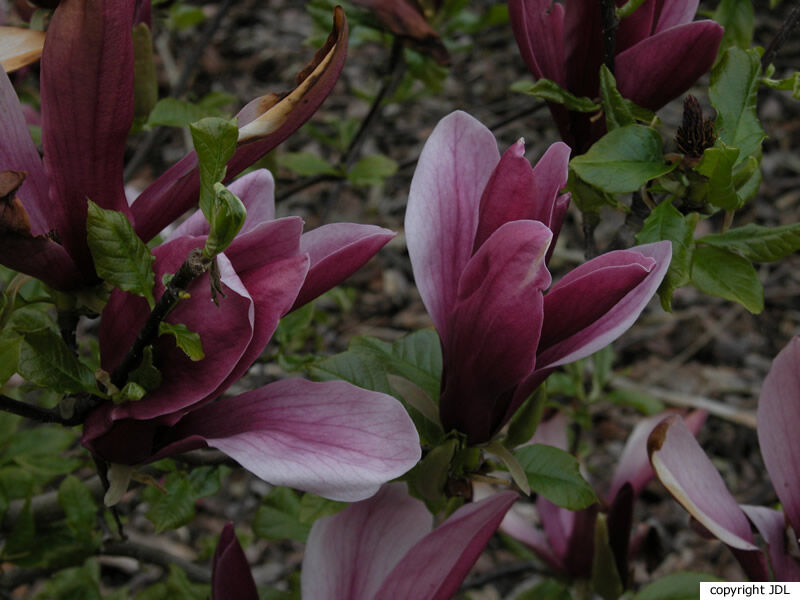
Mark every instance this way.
x=664 y=66
x=639 y=25
x=231 y=578
x=778 y=421
x=18 y=153
x=264 y=123
x=443 y=203
x=337 y=251
x=598 y=301
x=87 y=110
x=516 y=191
x=304 y=435
x=687 y=473
x=538 y=27
x=348 y=555
x=673 y=13
x=494 y=325
x=435 y=567
x=583 y=45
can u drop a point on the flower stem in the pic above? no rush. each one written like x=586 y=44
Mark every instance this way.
x=610 y=23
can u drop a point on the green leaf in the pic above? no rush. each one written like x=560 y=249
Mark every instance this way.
x=589 y=199
x=514 y=468
x=555 y=475
x=186 y=340
x=31 y=320
x=548 y=90
x=718 y=272
x=184 y=16
x=45 y=360
x=9 y=356
x=429 y=476
x=278 y=517
x=644 y=403
x=120 y=257
x=306 y=164
x=313 y=507
x=623 y=160
x=372 y=170
x=790 y=83
x=78 y=504
x=733 y=91
x=73 y=584
x=294 y=326
x=207 y=481
x=176 y=507
x=227 y=218
x=605 y=577
x=525 y=421
x=616 y=108
x=665 y=222
x=171 y=112
x=717 y=166
x=21 y=541
x=758 y=243
x=736 y=16
x=549 y=589
x=677 y=586
x=145 y=91
x=215 y=142
x=177 y=586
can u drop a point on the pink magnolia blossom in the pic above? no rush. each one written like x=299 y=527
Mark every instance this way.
x=386 y=547
x=660 y=53
x=692 y=479
x=292 y=432
x=480 y=229
x=565 y=538
x=87 y=111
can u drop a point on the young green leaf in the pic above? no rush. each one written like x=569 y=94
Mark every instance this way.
x=372 y=170
x=79 y=505
x=45 y=360
x=548 y=90
x=606 y=580
x=9 y=355
x=278 y=517
x=758 y=243
x=790 y=83
x=616 y=108
x=623 y=160
x=186 y=340
x=145 y=91
x=717 y=166
x=525 y=421
x=227 y=218
x=555 y=475
x=733 y=90
x=313 y=507
x=306 y=164
x=171 y=112
x=215 y=142
x=511 y=463
x=176 y=506
x=120 y=257
x=736 y=16
x=718 y=272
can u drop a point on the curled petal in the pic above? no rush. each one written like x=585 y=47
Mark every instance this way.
x=435 y=567
x=687 y=473
x=778 y=420
x=302 y=434
x=348 y=555
x=771 y=524
x=663 y=66
x=598 y=301
x=493 y=329
x=231 y=578
x=443 y=203
x=264 y=123
x=516 y=191
x=87 y=110
x=337 y=251
x=19 y=47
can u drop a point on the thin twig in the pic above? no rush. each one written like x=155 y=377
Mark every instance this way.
x=790 y=23
x=29 y=411
x=610 y=23
x=195 y=265
x=149 y=554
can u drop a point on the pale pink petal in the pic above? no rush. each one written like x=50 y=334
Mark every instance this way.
x=539 y=29
x=634 y=466
x=663 y=66
x=331 y=438
x=552 y=432
x=443 y=203
x=520 y=528
x=771 y=524
x=348 y=555
x=435 y=567
x=337 y=251
x=494 y=326
x=231 y=578
x=87 y=111
x=598 y=301
x=687 y=473
x=778 y=420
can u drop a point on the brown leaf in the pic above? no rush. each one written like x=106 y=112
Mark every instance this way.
x=13 y=218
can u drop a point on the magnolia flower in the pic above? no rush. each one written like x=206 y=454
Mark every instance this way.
x=692 y=479
x=565 y=540
x=87 y=111
x=292 y=432
x=231 y=577
x=660 y=53
x=480 y=229
x=386 y=547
